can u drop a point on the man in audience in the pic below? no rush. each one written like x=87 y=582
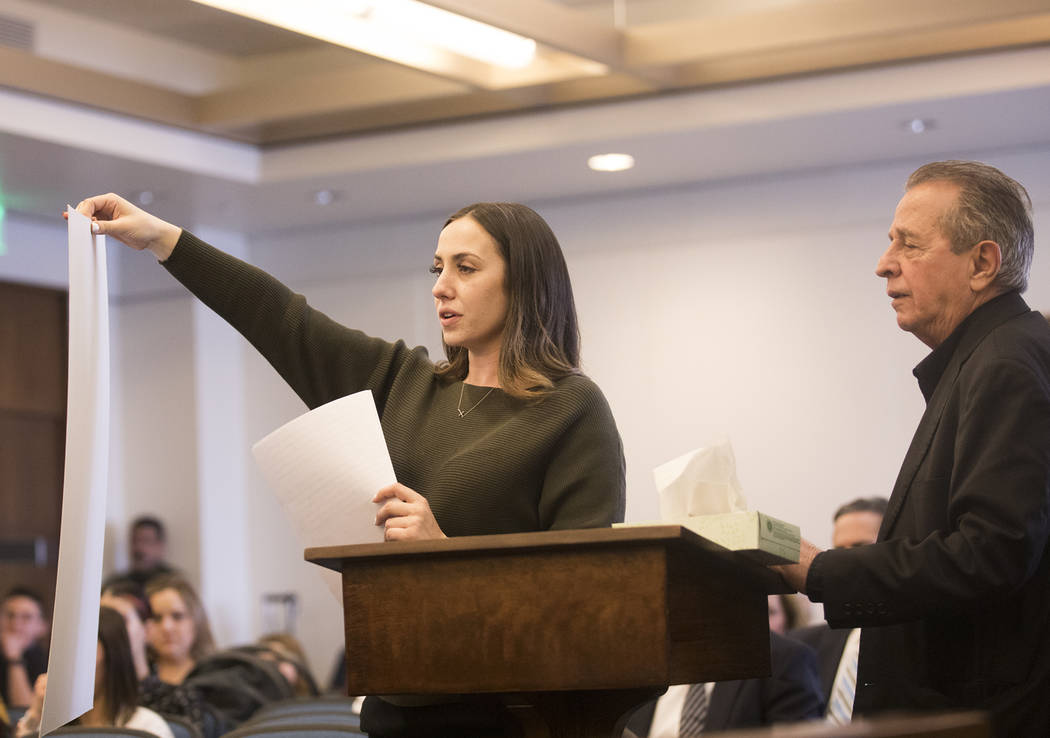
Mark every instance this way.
x=954 y=597
x=22 y=625
x=792 y=693
x=149 y=544
x=855 y=524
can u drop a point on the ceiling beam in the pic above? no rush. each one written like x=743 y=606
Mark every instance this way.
x=807 y=25
x=842 y=54
x=320 y=93
x=567 y=30
x=21 y=70
x=549 y=23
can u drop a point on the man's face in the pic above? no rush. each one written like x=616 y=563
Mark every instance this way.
x=855 y=529
x=928 y=283
x=21 y=616
x=147 y=548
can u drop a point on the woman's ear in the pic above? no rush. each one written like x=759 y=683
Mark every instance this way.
x=986 y=258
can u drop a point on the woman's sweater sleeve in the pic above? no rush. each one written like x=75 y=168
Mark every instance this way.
x=320 y=359
x=585 y=482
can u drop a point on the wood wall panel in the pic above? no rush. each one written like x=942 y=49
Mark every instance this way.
x=33 y=351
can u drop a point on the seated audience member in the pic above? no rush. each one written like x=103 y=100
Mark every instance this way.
x=291 y=660
x=169 y=699
x=854 y=524
x=791 y=694
x=148 y=546
x=785 y=612
x=22 y=625
x=116 y=687
x=178 y=633
x=131 y=592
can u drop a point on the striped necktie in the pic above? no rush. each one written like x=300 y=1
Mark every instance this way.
x=840 y=704
x=694 y=712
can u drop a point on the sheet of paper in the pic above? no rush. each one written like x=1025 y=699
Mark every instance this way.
x=325 y=467
x=74 y=630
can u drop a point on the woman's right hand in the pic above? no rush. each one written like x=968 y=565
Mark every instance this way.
x=29 y=724
x=136 y=632
x=112 y=215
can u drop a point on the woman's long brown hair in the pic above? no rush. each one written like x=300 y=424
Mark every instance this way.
x=541 y=338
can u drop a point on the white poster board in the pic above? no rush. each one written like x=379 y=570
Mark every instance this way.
x=74 y=630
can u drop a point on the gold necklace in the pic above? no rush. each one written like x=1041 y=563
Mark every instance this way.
x=459 y=405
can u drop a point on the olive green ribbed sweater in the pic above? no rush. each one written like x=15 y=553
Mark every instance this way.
x=509 y=466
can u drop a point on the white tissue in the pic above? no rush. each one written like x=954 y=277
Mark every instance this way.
x=701 y=482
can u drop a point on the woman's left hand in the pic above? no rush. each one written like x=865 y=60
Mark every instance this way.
x=406 y=515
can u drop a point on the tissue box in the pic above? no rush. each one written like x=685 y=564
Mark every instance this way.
x=757 y=536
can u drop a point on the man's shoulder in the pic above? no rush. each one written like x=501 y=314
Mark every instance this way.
x=1021 y=341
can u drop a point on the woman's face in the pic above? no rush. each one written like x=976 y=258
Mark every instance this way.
x=777 y=616
x=171 y=631
x=470 y=294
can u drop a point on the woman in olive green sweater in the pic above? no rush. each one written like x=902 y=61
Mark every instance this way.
x=505 y=436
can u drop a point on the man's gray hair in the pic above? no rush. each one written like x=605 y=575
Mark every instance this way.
x=991 y=207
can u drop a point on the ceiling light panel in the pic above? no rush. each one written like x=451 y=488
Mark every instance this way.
x=403 y=31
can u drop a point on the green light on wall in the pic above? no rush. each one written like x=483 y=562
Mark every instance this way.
x=3 y=246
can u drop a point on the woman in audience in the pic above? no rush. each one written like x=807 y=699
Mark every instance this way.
x=505 y=436
x=162 y=697
x=177 y=632
x=286 y=650
x=116 y=687
x=785 y=613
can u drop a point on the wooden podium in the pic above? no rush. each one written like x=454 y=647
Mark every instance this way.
x=582 y=625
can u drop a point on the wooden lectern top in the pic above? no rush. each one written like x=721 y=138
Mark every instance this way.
x=676 y=536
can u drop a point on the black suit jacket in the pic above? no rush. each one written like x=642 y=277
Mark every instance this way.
x=790 y=694
x=957 y=589
x=829 y=643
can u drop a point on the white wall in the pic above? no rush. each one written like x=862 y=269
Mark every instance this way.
x=748 y=308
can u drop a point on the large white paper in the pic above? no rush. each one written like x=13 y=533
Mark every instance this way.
x=325 y=467
x=74 y=632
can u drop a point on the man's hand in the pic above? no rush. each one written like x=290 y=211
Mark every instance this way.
x=795 y=574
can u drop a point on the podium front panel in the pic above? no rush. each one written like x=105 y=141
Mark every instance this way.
x=504 y=622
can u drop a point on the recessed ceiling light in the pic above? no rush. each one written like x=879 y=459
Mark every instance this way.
x=920 y=125
x=610 y=162
x=145 y=198
x=324 y=197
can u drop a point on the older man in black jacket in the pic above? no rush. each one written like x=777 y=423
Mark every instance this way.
x=954 y=598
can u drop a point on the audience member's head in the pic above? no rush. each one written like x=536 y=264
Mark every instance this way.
x=131 y=592
x=286 y=650
x=857 y=523
x=785 y=613
x=177 y=631
x=116 y=683
x=149 y=543
x=22 y=621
